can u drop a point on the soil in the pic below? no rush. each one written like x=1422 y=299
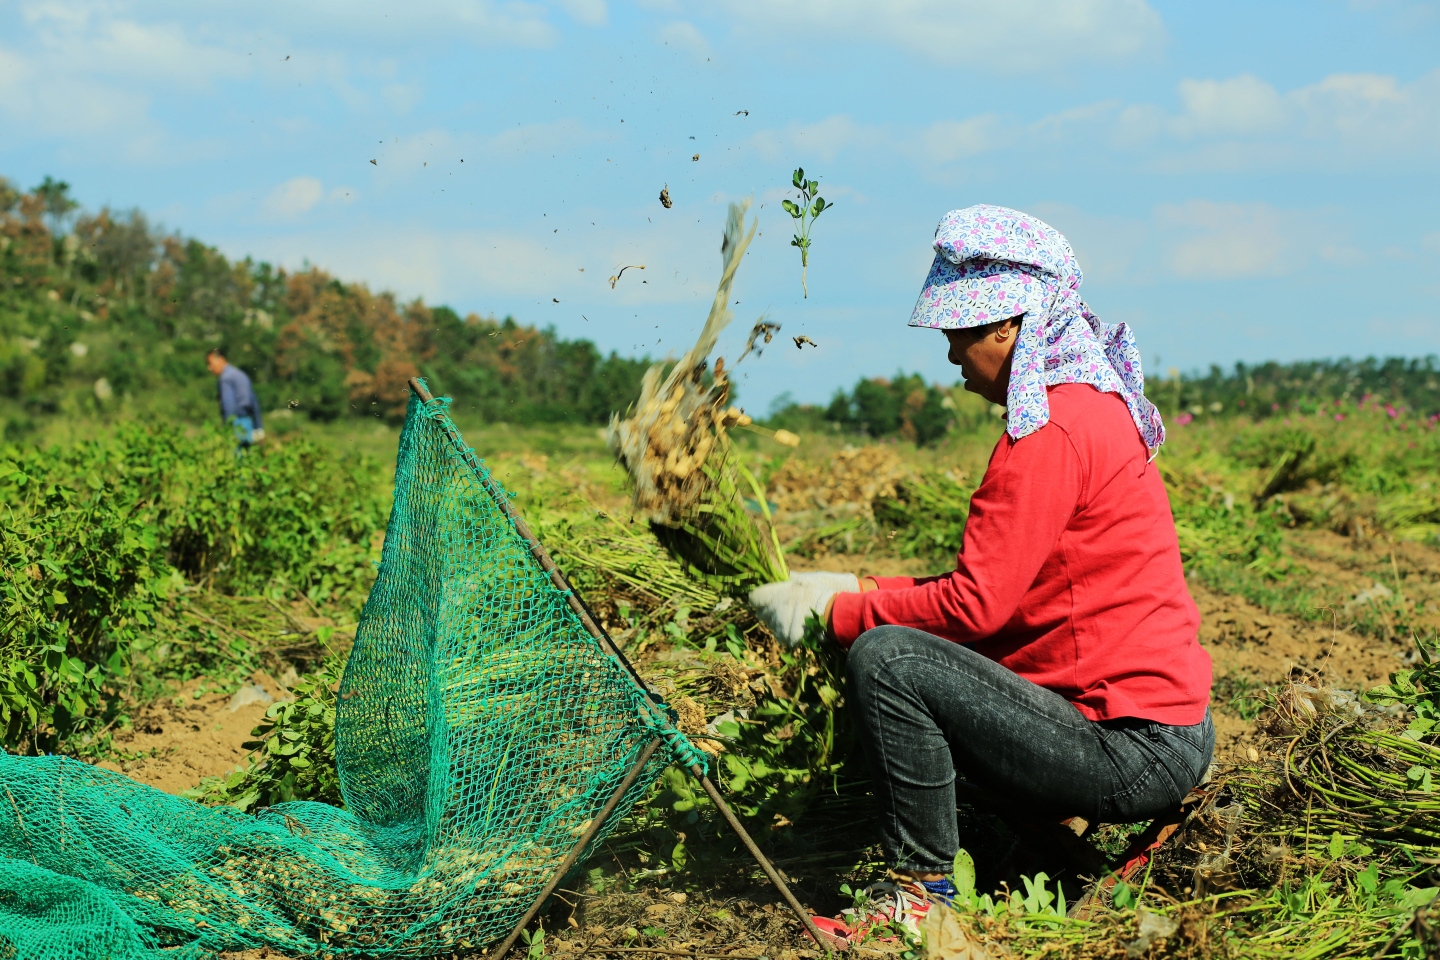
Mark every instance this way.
x=1252 y=649
x=176 y=742
x=745 y=925
x=733 y=913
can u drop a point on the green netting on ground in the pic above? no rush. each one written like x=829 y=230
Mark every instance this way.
x=480 y=729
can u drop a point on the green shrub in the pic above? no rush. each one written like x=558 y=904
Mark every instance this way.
x=926 y=517
x=96 y=537
x=294 y=748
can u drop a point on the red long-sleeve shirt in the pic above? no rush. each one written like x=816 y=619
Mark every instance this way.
x=1069 y=573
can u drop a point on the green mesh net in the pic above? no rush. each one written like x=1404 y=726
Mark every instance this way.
x=480 y=730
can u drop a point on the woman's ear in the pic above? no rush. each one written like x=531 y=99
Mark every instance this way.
x=1008 y=327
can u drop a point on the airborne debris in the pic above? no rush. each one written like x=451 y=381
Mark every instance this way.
x=676 y=448
x=621 y=272
x=665 y=196
x=763 y=328
x=801 y=341
x=696 y=157
x=742 y=112
x=376 y=164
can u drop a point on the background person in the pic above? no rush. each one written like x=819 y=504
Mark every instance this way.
x=1058 y=665
x=239 y=406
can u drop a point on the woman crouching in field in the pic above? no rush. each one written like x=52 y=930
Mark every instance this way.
x=1057 y=667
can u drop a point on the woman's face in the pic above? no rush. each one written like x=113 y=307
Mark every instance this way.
x=983 y=356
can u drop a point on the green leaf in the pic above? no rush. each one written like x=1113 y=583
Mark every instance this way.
x=678 y=857
x=1337 y=846
x=58 y=597
x=799 y=178
x=962 y=874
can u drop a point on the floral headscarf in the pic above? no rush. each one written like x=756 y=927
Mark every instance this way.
x=993 y=263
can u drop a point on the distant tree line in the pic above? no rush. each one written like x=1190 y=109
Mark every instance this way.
x=1270 y=389
x=102 y=309
x=905 y=406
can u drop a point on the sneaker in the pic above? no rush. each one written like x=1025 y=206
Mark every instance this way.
x=887 y=903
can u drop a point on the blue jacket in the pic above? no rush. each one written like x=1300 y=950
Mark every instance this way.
x=237 y=397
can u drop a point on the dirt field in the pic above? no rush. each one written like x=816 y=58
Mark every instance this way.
x=178 y=741
x=1340 y=615
x=727 y=908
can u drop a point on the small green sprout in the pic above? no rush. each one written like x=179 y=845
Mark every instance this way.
x=534 y=943
x=810 y=207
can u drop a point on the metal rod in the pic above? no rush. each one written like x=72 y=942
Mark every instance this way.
x=596 y=823
x=770 y=871
x=558 y=578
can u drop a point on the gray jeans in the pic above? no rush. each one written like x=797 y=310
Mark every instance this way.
x=926 y=708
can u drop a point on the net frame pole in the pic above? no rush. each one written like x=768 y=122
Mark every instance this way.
x=631 y=776
x=542 y=556
x=760 y=858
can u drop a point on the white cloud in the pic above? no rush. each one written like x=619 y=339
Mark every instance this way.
x=592 y=13
x=1210 y=240
x=684 y=35
x=407 y=155
x=488 y=22
x=85 y=70
x=946 y=141
x=84 y=73
x=1242 y=123
x=542 y=138
x=1224 y=240
x=825 y=139
x=1199 y=239
x=38 y=102
x=292 y=198
x=401 y=97
x=1044 y=33
x=1238 y=124
x=1239 y=106
x=942 y=142
x=440 y=265
x=90 y=39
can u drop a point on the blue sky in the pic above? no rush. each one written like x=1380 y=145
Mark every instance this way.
x=1241 y=181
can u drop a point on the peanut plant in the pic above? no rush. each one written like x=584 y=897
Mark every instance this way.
x=809 y=208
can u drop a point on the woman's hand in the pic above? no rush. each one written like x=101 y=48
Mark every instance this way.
x=784 y=607
x=866 y=585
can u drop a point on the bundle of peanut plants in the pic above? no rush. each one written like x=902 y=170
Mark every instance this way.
x=674 y=445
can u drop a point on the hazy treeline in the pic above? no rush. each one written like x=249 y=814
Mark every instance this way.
x=1267 y=389
x=907 y=407
x=102 y=311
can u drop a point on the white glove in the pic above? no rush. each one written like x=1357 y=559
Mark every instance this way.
x=784 y=607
